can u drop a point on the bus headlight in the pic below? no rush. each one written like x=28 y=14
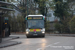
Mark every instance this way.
x=27 y=32
x=43 y=32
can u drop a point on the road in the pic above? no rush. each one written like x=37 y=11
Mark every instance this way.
x=47 y=43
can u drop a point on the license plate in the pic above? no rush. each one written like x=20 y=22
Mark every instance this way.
x=35 y=34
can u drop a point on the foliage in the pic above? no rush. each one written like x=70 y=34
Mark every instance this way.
x=61 y=10
x=71 y=0
x=2 y=0
x=42 y=6
x=20 y=23
x=57 y=27
x=27 y=7
x=47 y=25
x=16 y=22
x=72 y=25
x=42 y=10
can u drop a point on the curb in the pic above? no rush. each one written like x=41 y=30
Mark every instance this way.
x=70 y=35
x=3 y=46
x=9 y=38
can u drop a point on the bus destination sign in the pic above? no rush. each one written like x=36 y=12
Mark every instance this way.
x=29 y=18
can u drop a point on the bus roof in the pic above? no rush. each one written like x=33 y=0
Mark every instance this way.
x=35 y=15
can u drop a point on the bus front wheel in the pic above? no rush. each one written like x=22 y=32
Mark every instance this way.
x=28 y=36
x=43 y=36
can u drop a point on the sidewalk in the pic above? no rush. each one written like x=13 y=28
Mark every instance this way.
x=70 y=35
x=49 y=34
x=7 y=41
x=10 y=38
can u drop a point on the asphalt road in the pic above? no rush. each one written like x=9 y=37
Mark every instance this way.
x=47 y=43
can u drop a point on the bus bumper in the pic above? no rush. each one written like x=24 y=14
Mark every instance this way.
x=35 y=34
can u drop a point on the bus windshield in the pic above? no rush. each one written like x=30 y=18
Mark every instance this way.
x=35 y=24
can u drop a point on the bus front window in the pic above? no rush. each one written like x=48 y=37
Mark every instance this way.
x=35 y=23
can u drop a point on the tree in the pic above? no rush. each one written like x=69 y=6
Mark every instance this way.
x=61 y=10
x=47 y=26
x=42 y=6
x=72 y=25
x=57 y=27
x=42 y=9
x=27 y=7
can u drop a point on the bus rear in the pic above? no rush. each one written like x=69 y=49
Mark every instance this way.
x=35 y=25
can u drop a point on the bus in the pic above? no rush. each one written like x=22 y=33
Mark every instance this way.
x=35 y=25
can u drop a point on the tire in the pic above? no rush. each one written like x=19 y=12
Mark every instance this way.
x=28 y=36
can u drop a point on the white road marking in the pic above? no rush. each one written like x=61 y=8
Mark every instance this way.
x=63 y=47
x=68 y=47
x=57 y=43
x=45 y=47
x=48 y=45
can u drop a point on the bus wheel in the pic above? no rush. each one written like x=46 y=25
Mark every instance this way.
x=28 y=36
